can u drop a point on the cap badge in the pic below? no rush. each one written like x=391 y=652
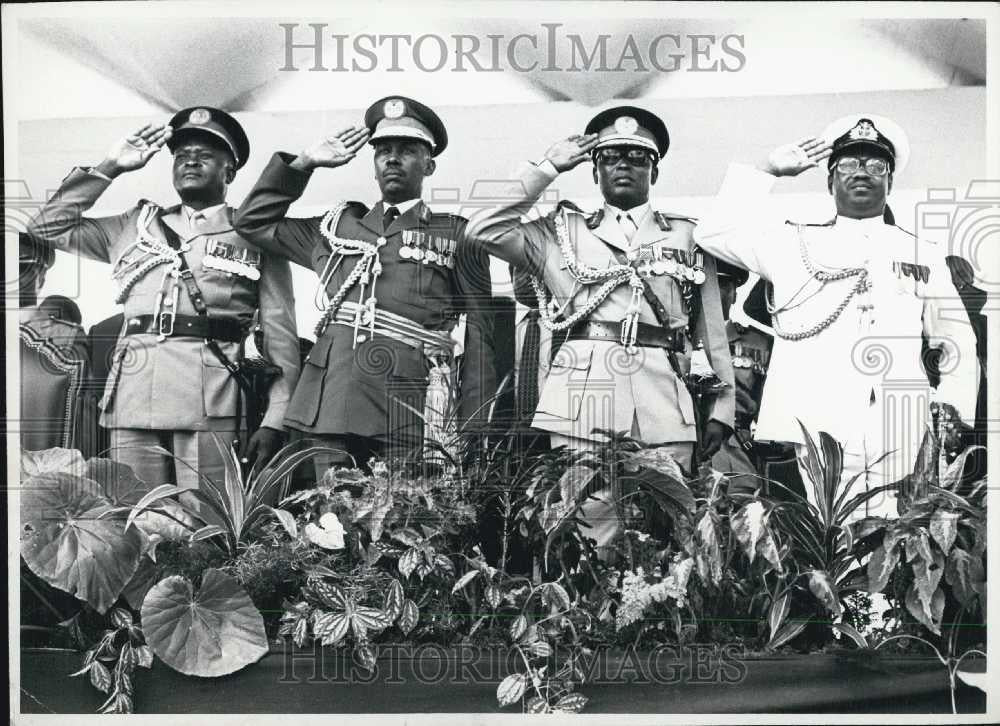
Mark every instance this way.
x=626 y=125
x=200 y=116
x=864 y=130
x=394 y=109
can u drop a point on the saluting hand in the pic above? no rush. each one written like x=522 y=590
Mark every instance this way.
x=793 y=159
x=333 y=151
x=570 y=152
x=135 y=150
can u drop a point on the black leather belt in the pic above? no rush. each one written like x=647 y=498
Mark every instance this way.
x=227 y=330
x=648 y=336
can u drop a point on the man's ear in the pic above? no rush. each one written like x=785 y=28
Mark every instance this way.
x=429 y=166
x=654 y=175
x=829 y=182
x=593 y=173
x=889 y=181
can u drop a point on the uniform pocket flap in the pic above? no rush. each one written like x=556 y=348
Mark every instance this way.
x=320 y=351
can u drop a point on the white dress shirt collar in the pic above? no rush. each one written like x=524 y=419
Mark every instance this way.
x=403 y=207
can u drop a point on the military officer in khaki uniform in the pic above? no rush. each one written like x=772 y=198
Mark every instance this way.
x=852 y=297
x=190 y=286
x=751 y=350
x=620 y=364
x=392 y=283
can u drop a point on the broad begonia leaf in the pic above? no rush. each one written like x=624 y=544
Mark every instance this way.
x=51 y=461
x=213 y=632
x=117 y=481
x=66 y=543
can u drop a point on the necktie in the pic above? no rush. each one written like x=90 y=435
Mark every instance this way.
x=527 y=379
x=389 y=217
x=627 y=224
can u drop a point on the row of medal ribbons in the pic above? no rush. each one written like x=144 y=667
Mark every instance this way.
x=232 y=259
x=657 y=259
x=427 y=248
x=744 y=357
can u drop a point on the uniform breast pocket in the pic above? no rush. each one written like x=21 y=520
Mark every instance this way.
x=431 y=282
x=566 y=384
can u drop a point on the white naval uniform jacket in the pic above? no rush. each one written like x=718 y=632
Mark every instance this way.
x=860 y=379
x=595 y=383
x=175 y=384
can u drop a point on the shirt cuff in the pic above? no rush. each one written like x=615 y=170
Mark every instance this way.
x=101 y=175
x=547 y=168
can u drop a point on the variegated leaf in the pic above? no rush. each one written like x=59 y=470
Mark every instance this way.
x=926 y=576
x=144 y=656
x=536 y=704
x=100 y=676
x=371 y=618
x=511 y=689
x=944 y=528
x=120 y=618
x=573 y=482
x=444 y=564
x=851 y=632
x=930 y=616
x=880 y=567
x=330 y=595
x=518 y=627
x=365 y=655
x=779 y=611
x=748 y=525
x=408 y=562
x=571 y=703
x=408 y=620
x=493 y=596
x=710 y=547
x=540 y=648
x=918 y=545
x=786 y=633
x=963 y=572
x=394 y=598
x=464 y=580
x=334 y=630
x=300 y=632
x=768 y=549
x=822 y=586
x=557 y=595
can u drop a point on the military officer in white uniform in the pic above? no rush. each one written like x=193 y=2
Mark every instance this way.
x=620 y=365
x=190 y=286
x=852 y=298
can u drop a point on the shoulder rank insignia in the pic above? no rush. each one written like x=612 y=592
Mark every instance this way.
x=663 y=219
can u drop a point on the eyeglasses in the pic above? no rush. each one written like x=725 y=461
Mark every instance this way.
x=635 y=157
x=850 y=164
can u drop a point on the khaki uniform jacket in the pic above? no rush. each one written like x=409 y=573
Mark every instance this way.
x=595 y=383
x=861 y=377
x=348 y=390
x=177 y=383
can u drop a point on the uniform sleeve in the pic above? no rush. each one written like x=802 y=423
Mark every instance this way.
x=947 y=328
x=499 y=229
x=710 y=328
x=61 y=225
x=474 y=296
x=281 y=340
x=261 y=218
x=737 y=230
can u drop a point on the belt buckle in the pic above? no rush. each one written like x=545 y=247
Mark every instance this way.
x=165 y=324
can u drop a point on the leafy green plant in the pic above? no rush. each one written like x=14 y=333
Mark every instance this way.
x=111 y=662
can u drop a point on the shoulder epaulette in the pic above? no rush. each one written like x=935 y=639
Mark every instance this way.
x=567 y=204
x=663 y=219
x=355 y=209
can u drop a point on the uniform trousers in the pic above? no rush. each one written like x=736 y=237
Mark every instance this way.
x=599 y=511
x=194 y=453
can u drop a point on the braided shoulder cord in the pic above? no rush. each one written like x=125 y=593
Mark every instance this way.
x=161 y=253
x=609 y=279
x=860 y=286
x=338 y=247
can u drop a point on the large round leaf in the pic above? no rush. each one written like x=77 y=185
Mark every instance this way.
x=67 y=544
x=211 y=633
x=50 y=461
